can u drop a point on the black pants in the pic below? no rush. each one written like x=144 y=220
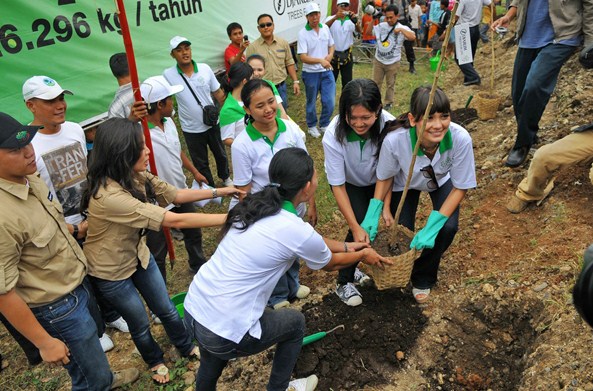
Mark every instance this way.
x=192 y=238
x=359 y=200
x=469 y=72
x=424 y=273
x=409 y=49
x=343 y=69
x=198 y=144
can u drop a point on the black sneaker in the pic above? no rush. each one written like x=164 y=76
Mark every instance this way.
x=349 y=294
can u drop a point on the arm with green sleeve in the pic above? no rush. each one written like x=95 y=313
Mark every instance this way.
x=426 y=237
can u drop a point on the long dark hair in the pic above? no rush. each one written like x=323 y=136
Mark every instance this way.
x=418 y=104
x=289 y=171
x=235 y=76
x=117 y=147
x=359 y=92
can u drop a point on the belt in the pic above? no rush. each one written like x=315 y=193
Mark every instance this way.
x=280 y=84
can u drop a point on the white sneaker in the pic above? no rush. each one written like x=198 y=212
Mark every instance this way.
x=281 y=304
x=361 y=279
x=106 y=342
x=322 y=129
x=119 y=324
x=349 y=294
x=314 y=132
x=303 y=292
x=228 y=182
x=305 y=384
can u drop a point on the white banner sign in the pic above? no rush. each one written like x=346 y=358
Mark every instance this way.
x=463 y=45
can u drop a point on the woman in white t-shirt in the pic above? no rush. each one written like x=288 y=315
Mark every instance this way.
x=232 y=115
x=444 y=168
x=351 y=145
x=225 y=307
x=252 y=151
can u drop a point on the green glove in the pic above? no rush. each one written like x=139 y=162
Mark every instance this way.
x=371 y=220
x=426 y=236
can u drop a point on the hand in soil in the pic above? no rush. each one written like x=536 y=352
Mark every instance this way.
x=370 y=257
x=388 y=217
x=360 y=235
x=356 y=246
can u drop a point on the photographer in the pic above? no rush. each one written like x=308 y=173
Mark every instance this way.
x=343 y=34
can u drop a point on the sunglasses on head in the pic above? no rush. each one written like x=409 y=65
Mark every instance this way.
x=428 y=172
x=344 y=5
x=263 y=25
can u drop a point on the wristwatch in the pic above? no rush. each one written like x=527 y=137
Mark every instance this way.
x=214 y=193
x=296 y=81
x=75 y=231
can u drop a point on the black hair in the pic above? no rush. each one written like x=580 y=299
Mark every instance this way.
x=265 y=16
x=251 y=87
x=445 y=3
x=418 y=104
x=116 y=149
x=359 y=92
x=152 y=106
x=235 y=76
x=391 y=8
x=232 y=27
x=256 y=56
x=289 y=172
x=119 y=65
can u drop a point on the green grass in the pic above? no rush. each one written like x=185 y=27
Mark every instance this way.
x=19 y=376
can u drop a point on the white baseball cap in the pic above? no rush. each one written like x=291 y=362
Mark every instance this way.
x=176 y=41
x=311 y=7
x=156 y=88
x=42 y=87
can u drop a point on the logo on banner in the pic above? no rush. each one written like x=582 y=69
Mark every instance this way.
x=279 y=6
x=463 y=45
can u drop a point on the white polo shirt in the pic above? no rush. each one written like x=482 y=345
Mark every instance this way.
x=232 y=118
x=229 y=294
x=342 y=32
x=389 y=45
x=203 y=82
x=454 y=159
x=61 y=162
x=315 y=45
x=167 y=154
x=470 y=11
x=353 y=160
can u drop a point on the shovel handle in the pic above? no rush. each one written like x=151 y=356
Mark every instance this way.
x=314 y=337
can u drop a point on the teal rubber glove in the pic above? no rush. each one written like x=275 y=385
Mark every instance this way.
x=426 y=236
x=371 y=220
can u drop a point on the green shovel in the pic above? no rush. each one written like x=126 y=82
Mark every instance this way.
x=317 y=336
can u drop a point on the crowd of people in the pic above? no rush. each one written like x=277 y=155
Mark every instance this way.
x=84 y=209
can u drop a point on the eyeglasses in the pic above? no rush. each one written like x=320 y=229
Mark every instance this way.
x=428 y=172
x=264 y=25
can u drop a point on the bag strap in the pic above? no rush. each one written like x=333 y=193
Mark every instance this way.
x=191 y=90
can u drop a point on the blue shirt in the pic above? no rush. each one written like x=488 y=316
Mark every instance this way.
x=539 y=30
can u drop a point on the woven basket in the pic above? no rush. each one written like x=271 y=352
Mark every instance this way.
x=398 y=274
x=486 y=104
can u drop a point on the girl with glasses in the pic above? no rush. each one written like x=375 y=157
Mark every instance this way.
x=444 y=169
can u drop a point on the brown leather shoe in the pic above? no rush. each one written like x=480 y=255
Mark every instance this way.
x=517 y=205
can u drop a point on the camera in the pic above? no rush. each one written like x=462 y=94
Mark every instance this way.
x=245 y=37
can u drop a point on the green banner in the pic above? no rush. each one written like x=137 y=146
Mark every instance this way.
x=72 y=40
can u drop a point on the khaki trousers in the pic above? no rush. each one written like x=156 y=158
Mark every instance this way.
x=388 y=72
x=576 y=148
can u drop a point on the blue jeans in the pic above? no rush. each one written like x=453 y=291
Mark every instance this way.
x=124 y=296
x=322 y=83
x=283 y=94
x=287 y=286
x=534 y=78
x=424 y=273
x=284 y=328
x=68 y=319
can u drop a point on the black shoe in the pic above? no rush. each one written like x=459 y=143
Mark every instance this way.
x=473 y=82
x=412 y=70
x=517 y=156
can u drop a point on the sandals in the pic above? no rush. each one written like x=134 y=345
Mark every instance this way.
x=420 y=295
x=160 y=374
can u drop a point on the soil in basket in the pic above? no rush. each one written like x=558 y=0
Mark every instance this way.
x=365 y=352
x=390 y=244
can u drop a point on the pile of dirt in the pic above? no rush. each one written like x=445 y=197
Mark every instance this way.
x=377 y=337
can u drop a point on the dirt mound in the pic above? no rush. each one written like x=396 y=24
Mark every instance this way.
x=377 y=336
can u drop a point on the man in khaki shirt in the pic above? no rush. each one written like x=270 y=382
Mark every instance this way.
x=42 y=269
x=279 y=62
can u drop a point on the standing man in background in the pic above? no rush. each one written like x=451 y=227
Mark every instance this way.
x=278 y=57
x=342 y=26
x=316 y=48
